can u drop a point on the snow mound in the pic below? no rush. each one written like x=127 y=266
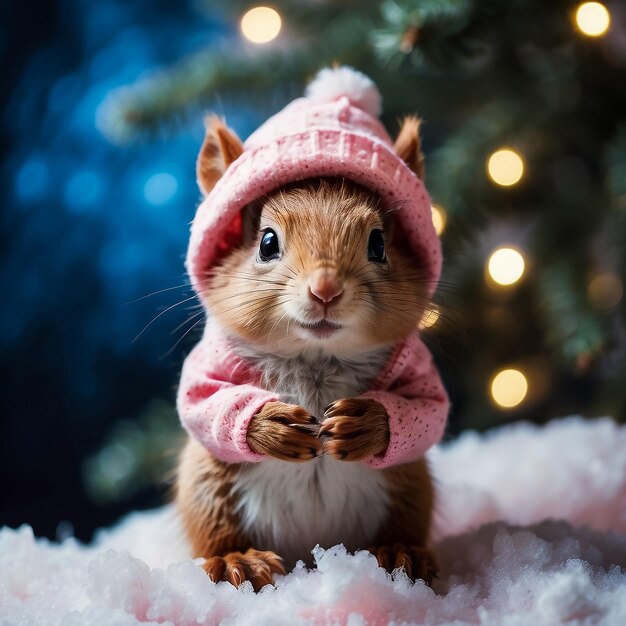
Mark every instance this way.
x=519 y=570
x=572 y=469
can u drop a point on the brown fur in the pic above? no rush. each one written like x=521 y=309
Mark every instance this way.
x=355 y=429
x=408 y=147
x=324 y=225
x=413 y=497
x=207 y=507
x=206 y=504
x=409 y=520
x=256 y=566
x=416 y=561
x=284 y=431
x=204 y=498
x=220 y=148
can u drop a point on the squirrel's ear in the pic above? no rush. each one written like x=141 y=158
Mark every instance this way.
x=220 y=148
x=407 y=145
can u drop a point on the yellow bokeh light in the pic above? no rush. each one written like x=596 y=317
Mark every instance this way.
x=261 y=24
x=506 y=266
x=439 y=218
x=429 y=318
x=605 y=291
x=508 y=388
x=505 y=167
x=592 y=19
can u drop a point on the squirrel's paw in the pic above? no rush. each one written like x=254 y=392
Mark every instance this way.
x=284 y=431
x=253 y=565
x=416 y=562
x=354 y=429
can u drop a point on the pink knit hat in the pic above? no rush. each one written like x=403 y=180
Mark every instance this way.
x=333 y=131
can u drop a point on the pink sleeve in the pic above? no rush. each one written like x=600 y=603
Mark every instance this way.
x=417 y=404
x=217 y=399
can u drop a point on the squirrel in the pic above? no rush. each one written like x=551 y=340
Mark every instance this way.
x=311 y=399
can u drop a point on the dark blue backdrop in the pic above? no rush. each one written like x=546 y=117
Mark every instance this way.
x=88 y=227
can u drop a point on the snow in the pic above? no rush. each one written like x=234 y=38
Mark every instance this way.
x=502 y=562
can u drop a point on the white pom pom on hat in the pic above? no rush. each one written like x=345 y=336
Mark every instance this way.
x=331 y=83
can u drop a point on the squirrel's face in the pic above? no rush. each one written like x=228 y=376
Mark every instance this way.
x=319 y=268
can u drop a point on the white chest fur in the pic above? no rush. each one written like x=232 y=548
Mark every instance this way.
x=291 y=507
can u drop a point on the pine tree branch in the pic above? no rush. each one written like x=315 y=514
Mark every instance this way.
x=294 y=12
x=136 y=111
x=413 y=28
x=462 y=160
x=616 y=167
x=572 y=328
x=135 y=455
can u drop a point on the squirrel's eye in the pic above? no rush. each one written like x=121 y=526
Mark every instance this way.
x=268 y=249
x=376 y=247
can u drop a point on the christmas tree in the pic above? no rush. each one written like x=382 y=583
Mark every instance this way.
x=525 y=138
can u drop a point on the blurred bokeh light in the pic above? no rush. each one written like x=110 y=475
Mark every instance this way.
x=505 y=167
x=509 y=388
x=261 y=24
x=505 y=266
x=439 y=218
x=592 y=19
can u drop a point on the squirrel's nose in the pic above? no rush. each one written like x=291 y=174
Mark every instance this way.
x=325 y=286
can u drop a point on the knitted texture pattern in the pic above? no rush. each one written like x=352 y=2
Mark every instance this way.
x=220 y=393
x=311 y=138
x=331 y=132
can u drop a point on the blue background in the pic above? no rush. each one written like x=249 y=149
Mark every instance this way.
x=88 y=228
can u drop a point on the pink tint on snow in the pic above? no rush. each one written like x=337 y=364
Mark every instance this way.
x=521 y=569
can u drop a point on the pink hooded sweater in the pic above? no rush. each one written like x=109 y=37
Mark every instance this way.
x=220 y=393
x=331 y=132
